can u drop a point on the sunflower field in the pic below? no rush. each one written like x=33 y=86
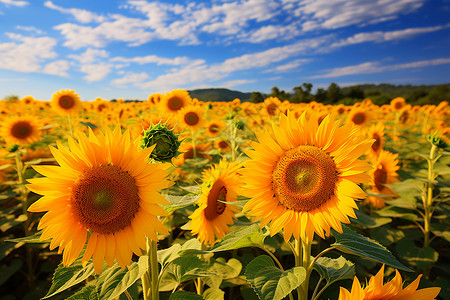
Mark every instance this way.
x=174 y=198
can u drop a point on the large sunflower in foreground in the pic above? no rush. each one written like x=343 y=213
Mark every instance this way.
x=66 y=101
x=103 y=192
x=303 y=177
x=392 y=290
x=20 y=130
x=211 y=220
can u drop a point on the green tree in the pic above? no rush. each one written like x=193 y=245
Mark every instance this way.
x=334 y=93
x=256 y=97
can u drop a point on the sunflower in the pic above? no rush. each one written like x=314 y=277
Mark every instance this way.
x=191 y=117
x=384 y=172
x=220 y=183
x=392 y=290
x=27 y=100
x=222 y=145
x=101 y=106
x=20 y=130
x=376 y=132
x=66 y=101
x=273 y=106
x=397 y=104
x=172 y=102
x=359 y=117
x=102 y=191
x=155 y=98
x=215 y=128
x=304 y=177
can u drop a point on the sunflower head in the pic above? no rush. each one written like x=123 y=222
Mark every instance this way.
x=27 y=100
x=303 y=176
x=20 y=130
x=397 y=104
x=192 y=117
x=103 y=192
x=165 y=140
x=359 y=117
x=221 y=185
x=172 y=102
x=437 y=140
x=155 y=98
x=66 y=101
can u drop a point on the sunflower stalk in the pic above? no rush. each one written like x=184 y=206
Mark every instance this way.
x=69 y=120
x=428 y=198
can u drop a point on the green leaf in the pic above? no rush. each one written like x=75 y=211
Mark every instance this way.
x=66 y=277
x=88 y=124
x=387 y=235
x=183 y=295
x=334 y=269
x=249 y=236
x=167 y=255
x=351 y=242
x=440 y=231
x=32 y=239
x=369 y=221
x=420 y=258
x=6 y=271
x=396 y=212
x=10 y=221
x=177 y=202
x=269 y=282
x=213 y=294
x=182 y=269
x=114 y=281
x=84 y=293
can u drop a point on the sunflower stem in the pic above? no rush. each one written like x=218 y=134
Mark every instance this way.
x=428 y=200
x=153 y=260
x=194 y=150
x=200 y=285
x=298 y=263
x=306 y=262
x=69 y=119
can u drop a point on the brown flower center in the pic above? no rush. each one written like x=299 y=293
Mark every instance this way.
x=304 y=178
x=21 y=130
x=175 y=103
x=66 y=102
x=214 y=207
x=191 y=118
x=213 y=128
x=101 y=107
x=359 y=118
x=272 y=109
x=223 y=144
x=376 y=145
x=398 y=105
x=380 y=177
x=105 y=199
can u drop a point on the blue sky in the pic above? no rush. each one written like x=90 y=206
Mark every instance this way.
x=132 y=48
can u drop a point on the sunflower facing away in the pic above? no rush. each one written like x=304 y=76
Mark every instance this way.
x=392 y=290
x=20 y=130
x=210 y=221
x=103 y=192
x=303 y=177
x=66 y=101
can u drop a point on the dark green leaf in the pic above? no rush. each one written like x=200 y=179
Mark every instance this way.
x=420 y=258
x=84 y=293
x=369 y=221
x=269 y=282
x=66 y=277
x=387 y=235
x=334 y=269
x=114 y=281
x=32 y=239
x=6 y=271
x=351 y=242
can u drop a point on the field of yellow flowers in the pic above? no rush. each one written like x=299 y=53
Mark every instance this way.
x=174 y=198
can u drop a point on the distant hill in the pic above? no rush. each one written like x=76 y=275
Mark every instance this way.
x=218 y=95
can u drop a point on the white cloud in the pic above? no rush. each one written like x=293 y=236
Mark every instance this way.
x=130 y=77
x=15 y=2
x=80 y=15
x=203 y=73
x=141 y=60
x=291 y=65
x=58 y=67
x=375 y=67
x=27 y=55
x=95 y=72
x=89 y=56
x=30 y=28
x=271 y=32
x=381 y=36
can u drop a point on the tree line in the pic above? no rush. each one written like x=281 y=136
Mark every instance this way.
x=379 y=94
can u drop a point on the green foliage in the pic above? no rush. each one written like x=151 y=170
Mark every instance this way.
x=334 y=269
x=353 y=243
x=269 y=282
